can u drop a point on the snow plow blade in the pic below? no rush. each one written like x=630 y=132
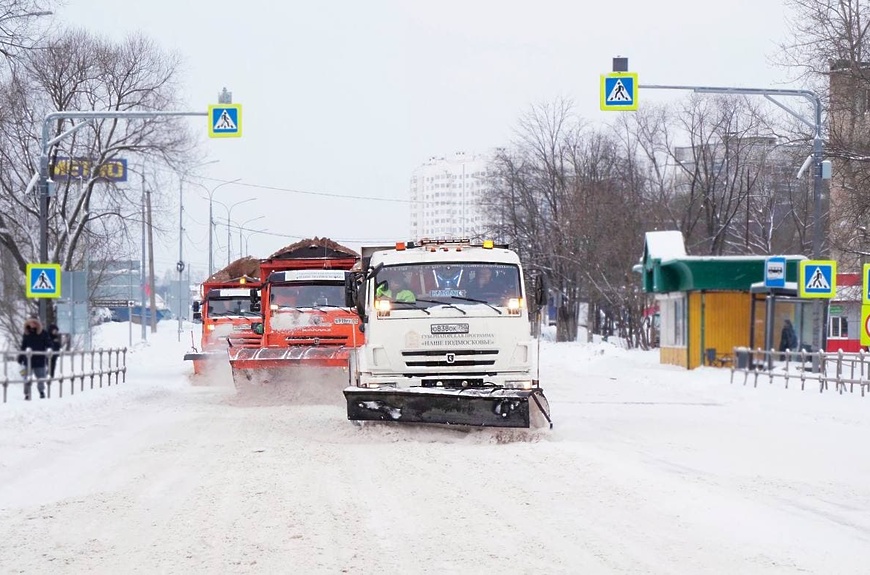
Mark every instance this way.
x=298 y=374
x=520 y=408
x=205 y=355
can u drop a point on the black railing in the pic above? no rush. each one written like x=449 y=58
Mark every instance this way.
x=82 y=369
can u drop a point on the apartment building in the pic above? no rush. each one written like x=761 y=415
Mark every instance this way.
x=445 y=193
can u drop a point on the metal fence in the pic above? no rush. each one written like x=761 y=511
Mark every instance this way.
x=844 y=371
x=73 y=369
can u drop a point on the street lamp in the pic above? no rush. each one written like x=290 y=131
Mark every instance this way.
x=229 y=210
x=211 y=201
x=242 y=227
x=180 y=265
x=248 y=237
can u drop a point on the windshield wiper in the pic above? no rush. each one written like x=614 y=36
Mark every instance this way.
x=444 y=303
x=414 y=305
x=475 y=300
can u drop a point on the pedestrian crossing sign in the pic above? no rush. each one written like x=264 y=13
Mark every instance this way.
x=43 y=281
x=817 y=279
x=619 y=91
x=225 y=121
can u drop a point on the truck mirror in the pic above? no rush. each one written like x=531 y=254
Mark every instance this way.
x=195 y=306
x=349 y=289
x=361 y=300
x=197 y=317
x=541 y=289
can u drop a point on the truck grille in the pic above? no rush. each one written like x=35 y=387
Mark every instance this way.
x=456 y=358
x=316 y=340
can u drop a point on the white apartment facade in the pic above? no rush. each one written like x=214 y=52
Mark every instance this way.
x=445 y=192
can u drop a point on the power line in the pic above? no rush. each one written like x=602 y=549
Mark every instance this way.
x=292 y=191
x=292 y=237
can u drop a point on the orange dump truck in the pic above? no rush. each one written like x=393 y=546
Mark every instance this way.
x=226 y=313
x=307 y=329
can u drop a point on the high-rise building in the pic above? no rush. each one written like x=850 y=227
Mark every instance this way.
x=445 y=194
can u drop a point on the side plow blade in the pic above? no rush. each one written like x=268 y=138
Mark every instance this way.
x=205 y=355
x=472 y=407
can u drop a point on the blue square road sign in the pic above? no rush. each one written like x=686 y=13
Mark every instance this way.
x=42 y=280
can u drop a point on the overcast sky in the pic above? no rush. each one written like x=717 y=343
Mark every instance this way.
x=348 y=97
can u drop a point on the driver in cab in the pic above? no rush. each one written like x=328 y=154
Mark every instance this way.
x=398 y=284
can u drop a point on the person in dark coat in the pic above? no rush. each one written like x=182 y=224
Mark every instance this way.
x=35 y=339
x=56 y=343
x=788 y=339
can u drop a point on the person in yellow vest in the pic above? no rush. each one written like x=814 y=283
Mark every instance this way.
x=401 y=284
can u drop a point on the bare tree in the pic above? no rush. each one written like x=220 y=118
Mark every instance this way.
x=828 y=47
x=78 y=70
x=565 y=196
x=533 y=199
x=19 y=29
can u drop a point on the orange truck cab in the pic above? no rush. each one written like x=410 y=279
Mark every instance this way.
x=226 y=313
x=306 y=328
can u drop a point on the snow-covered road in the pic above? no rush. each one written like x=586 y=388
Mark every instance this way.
x=650 y=469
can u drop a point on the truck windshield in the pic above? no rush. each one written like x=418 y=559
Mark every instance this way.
x=433 y=284
x=291 y=296
x=230 y=306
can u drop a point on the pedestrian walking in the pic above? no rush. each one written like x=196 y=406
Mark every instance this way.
x=37 y=341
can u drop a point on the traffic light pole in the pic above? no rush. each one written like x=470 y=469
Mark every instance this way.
x=44 y=178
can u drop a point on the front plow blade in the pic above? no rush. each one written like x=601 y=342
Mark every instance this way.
x=291 y=375
x=472 y=407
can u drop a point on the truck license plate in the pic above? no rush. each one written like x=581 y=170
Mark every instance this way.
x=449 y=328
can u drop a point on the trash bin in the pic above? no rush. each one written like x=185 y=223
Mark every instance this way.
x=710 y=354
x=742 y=358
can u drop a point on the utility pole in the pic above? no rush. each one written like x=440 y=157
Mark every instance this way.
x=130 y=307
x=142 y=267
x=210 y=234
x=180 y=265
x=153 y=294
x=87 y=236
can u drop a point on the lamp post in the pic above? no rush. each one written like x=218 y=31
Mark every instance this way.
x=248 y=237
x=180 y=265
x=229 y=210
x=211 y=201
x=242 y=227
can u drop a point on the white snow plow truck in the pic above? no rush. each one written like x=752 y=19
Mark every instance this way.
x=448 y=338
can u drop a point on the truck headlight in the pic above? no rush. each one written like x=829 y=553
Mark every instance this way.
x=383 y=307
x=519 y=384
